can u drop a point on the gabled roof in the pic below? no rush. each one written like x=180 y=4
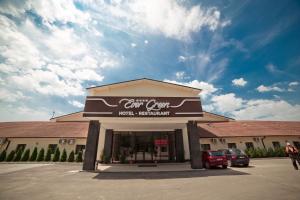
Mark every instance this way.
x=249 y=129
x=147 y=80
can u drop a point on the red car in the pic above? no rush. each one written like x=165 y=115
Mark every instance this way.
x=214 y=159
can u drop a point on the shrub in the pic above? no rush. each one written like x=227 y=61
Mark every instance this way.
x=34 y=154
x=26 y=155
x=56 y=155
x=71 y=157
x=264 y=153
x=79 y=157
x=10 y=156
x=48 y=155
x=270 y=152
x=3 y=156
x=63 y=156
x=18 y=155
x=41 y=155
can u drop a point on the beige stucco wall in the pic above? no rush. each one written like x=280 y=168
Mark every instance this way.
x=143 y=89
x=240 y=141
x=41 y=143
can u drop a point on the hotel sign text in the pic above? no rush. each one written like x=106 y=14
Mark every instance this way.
x=108 y=106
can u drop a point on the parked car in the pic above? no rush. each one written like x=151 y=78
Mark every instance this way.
x=214 y=159
x=236 y=157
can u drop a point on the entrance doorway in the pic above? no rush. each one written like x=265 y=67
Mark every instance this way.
x=129 y=147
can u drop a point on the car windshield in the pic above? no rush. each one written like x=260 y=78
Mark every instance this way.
x=238 y=152
x=216 y=153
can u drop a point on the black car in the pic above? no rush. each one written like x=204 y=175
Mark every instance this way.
x=236 y=157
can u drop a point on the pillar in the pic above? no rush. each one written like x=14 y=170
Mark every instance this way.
x=108 y=145
x=193 y=135
x=179 y=149
x=91 y=146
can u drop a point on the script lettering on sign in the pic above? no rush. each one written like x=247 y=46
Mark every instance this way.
x=142 y=106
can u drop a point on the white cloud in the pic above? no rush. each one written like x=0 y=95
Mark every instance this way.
x=227 y=102
x=180 y=75
x=76 y=104
x=268 y=110
x=146 y=41
x=273 y=68
x=133 y=45
x=295 y=83
x=168 y=17
x=8 y=96
x=263 y=88
x=181 y=58
x=239 y=82
x=206 y=88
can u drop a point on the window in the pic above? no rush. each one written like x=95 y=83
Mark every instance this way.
x=205 y=147
x=79 y=147
x=163 y=149
x=249 y=145
x=232 y=145
x=52 y=147
x=20 y=147
x=297 y=144
x=276 y=144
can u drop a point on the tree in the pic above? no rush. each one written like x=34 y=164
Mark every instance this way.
x=41 y=155
x=3 y=156
x=26 y=155
x=48 y=155
x=56 y=155
x=34 y=154
x=18 y=155
x=10 y=156
x=71 y=157
x=79 y=157
x=63 y=156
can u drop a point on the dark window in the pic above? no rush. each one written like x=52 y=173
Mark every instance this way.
x=20 y=147
x=276 y=144
x=163 y=149
x=232 y=145
x=216 y=153
x=297 y=144
x=79 y=147
x=52 y=147
x=205 y=147
x=249 y=145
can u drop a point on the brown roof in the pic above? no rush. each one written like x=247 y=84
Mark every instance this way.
x=44 y=129
x=249 y=128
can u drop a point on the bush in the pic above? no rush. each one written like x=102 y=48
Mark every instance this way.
x=41 y=155
x=3 y=156
x=26 y=155
x=56 y=155
x=71 y=157
x=34 y=154
x=63 y=156
x=270 y=152
x=10 y=156
x=18 y=155
x=48 y=155
x=79 y=157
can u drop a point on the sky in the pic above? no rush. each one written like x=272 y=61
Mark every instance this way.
x=244 y=55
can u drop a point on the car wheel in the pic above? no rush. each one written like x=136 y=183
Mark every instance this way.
x=207 y=165
x=246 y=165
x=224 y=166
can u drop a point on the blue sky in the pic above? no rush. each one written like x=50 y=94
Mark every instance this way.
x=245 y=55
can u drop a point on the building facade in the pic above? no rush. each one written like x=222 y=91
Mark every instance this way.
x=145 y=120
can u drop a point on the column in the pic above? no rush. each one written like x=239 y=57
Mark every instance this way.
x=91 y=146
x=108 y=145
x=179 y=149
x=196 y=159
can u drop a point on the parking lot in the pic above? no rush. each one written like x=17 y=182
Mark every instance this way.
x=264 y=179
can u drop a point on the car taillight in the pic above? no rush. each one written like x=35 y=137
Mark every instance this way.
x=233 y=157
x=210 y=157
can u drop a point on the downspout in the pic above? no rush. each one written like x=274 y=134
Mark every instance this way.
x=262 y=141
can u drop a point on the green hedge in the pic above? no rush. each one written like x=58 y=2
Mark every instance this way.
x=3 y=156
x=263 y=153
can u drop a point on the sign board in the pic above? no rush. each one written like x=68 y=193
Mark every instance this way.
x=111 y=106
x=161 y=142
